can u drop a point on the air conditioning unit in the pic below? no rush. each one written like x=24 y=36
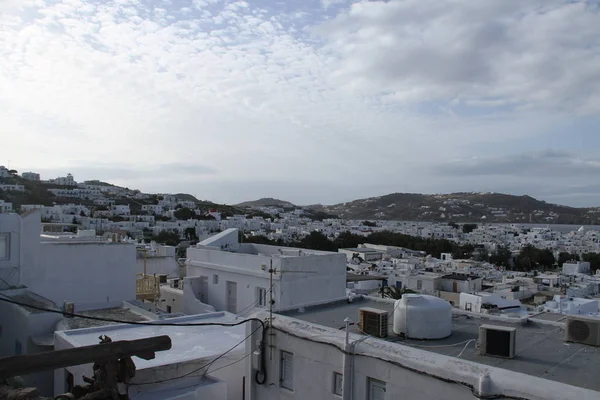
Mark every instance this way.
x=162 y=278
x=373 y=321
x=497 y=341
x=174 y=283
x=69 y=308
x=584 y=330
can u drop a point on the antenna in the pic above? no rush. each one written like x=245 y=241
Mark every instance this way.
x=273 y=271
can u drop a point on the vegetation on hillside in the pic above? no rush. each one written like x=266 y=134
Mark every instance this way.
x=464 y=207
x=317 y=241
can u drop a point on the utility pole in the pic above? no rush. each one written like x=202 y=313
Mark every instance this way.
x=273 y=271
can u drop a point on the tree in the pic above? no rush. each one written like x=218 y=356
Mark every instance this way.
x=531 y=258
x=184 y=213
x=369 y=223
x=392 y=292
x=13 y=171
x=258 y=239
x=593 y=259
x=453 y=224
x=316 y=241
x=500 y=257
x=564 y=257
x=348 y=240
x=168 y=238
x=468 y=228
x=190 y=233
x=463 y=252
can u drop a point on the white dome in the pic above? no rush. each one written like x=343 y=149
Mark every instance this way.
x=419 y=316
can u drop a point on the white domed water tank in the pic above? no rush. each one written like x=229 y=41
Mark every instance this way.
x=420 y=316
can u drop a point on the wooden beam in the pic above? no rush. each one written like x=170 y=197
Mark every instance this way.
x=30 y=363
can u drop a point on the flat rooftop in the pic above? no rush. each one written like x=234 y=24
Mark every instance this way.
x=540 y=348
x=188 y=342
x=26 y=297
x=363 y=250
x=118 y=313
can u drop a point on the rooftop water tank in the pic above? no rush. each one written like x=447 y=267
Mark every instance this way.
x=419 y=316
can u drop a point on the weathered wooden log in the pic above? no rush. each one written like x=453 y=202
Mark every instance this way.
x=30 y=363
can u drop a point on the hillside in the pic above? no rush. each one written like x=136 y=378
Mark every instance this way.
x=462 y=207
x=38 y=193
x=267 y=202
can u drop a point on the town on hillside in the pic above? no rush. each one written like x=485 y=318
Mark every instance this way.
x=108 y=292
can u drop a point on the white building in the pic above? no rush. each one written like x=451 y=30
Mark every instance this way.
x=420 y=283
x=120 y=209
x=31 y=176
x=63 y=180
x=189 y=370
x=310 y=356
x=485 y=302
x=5 y=207
x=12 y=188
x=576 y=267
x=27 y=331
x=4 y=172
x=153 y=208
x=572 y=305
x=235 y=277
x=457 y=283
x=367 y=254
x=89 y=272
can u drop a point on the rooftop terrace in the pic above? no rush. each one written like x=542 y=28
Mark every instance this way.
x=540 y=347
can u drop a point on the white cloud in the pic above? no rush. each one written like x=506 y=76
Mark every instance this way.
x=243 y=90
x=540 y=53
x=542 y=164
x=329 y=3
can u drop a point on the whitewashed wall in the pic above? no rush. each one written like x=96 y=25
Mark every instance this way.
x=92 y=275
x=407 y=372
x=18 y=324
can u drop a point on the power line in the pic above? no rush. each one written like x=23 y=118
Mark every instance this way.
x=117 y=321
x=230 y=364
x=262 y=372
x=250 y=307
x=204 y=366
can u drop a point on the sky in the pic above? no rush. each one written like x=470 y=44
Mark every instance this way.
x=310 y=101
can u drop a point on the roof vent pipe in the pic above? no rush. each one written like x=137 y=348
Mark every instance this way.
x=484 y=384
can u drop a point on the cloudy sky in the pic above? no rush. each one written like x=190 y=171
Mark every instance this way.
x=312 y=101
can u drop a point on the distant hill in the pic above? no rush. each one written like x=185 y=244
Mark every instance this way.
x=462 y=207
x=186 y=197
x=267 y=202
x=98 y=183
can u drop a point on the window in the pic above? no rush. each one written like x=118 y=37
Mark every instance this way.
x=169 y=309
x=419 y=285
x=375 y=389
x=4 y=246
x=261 y=297
x=286 y=370
x=338 y=383
x=215 y=279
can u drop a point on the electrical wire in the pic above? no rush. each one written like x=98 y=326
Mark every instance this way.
x=195 y=384
x=262 y=372
x=464 y=348
x=230 y=364
x=442 y=345
x=117 y=321
x=244 y=311
x=200 y=368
